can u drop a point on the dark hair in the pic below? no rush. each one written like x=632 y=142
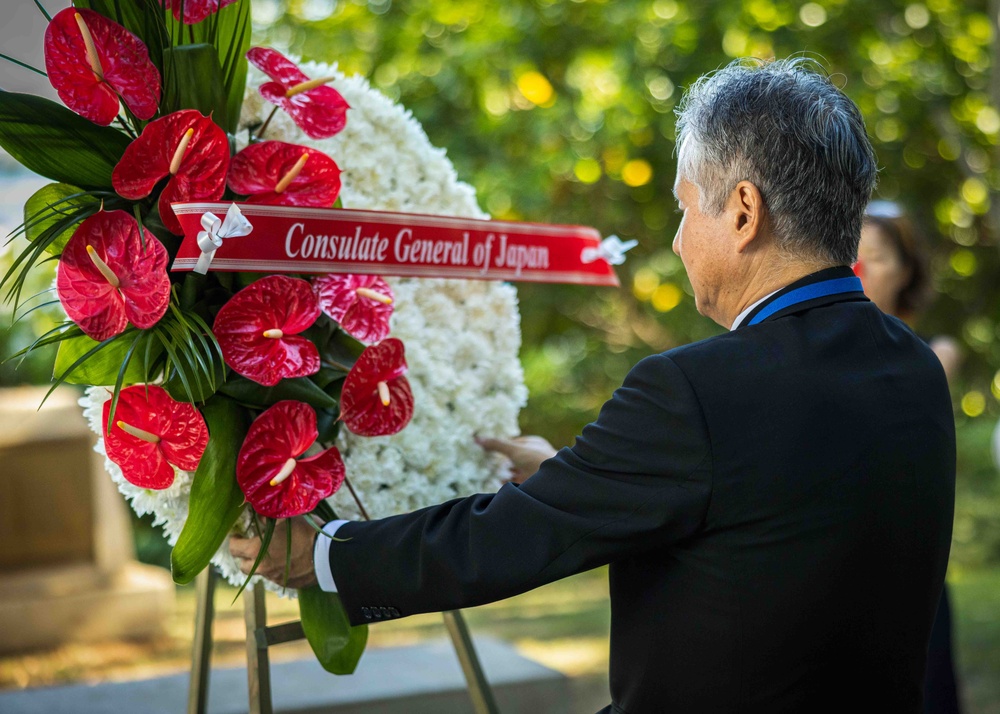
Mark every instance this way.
x=910 y=246
x=786 y=128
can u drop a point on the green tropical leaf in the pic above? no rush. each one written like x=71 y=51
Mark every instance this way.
x=327 y=376
x=130 y=336
x=100 y=369
x=38 y=306
x=325 y=511
x=228 y=31
x=336 y=644
x=216 y=500
x=177 y=364
x=191 y=290
x=47 y=239
x=194 y=365
x=51 y=205
x=21 y=266
x=301 y=389
x=265 y=543
x=19 y=63
x=116 y=393
x=201 y=382
x=192 y=79
x=54 y=142
x=65 y=330
x=233 y=41
x=327 y=426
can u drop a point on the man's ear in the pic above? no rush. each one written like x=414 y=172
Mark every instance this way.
x=748 y=213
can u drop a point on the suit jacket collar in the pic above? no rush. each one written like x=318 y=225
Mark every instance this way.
x=840 y=272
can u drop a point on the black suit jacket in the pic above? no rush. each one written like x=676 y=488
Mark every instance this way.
x=775 y=503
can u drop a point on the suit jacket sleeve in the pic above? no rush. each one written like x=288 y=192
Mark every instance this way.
x=637 y=479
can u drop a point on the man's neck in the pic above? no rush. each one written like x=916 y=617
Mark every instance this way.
x=763 y=283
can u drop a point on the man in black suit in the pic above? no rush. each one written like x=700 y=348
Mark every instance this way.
x=775 y=503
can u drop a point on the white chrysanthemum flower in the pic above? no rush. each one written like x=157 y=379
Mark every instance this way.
x=462 y=337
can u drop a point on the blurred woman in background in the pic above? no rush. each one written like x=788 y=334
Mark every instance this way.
x=893 y=265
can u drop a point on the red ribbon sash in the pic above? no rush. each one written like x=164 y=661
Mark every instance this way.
x=288 y=239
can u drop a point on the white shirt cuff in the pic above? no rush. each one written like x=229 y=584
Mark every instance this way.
x=321 y=556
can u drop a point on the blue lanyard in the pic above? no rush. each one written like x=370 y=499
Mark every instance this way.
x=809 y=292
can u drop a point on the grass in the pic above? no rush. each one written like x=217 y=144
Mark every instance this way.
x=563 y=625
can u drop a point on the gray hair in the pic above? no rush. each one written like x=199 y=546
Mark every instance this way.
x=787 y=129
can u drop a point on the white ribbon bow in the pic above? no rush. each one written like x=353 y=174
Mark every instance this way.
x=210 y=240
x=611 y=249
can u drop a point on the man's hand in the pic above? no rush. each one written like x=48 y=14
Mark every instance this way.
x=301 y=573
x=526 y=453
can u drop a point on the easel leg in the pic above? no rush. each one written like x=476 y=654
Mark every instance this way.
x=259 y=669
x=258 y=662
x=479 y=688
x=201 y=657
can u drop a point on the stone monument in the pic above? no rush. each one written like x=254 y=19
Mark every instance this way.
x=67 y=561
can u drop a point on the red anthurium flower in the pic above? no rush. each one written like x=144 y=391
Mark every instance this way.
x=185 y=146
x=317 y=109
x=277 y=173
x=196 y=10
x=107 y=279
x=257 y=330
x=274 y=481
x=376 y=399
x=152 y=431
x=91 y=61
x=360 y=304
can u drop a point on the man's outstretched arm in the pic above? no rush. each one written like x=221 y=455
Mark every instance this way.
x=637 y=479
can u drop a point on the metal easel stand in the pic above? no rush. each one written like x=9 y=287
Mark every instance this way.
x=260 y=637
